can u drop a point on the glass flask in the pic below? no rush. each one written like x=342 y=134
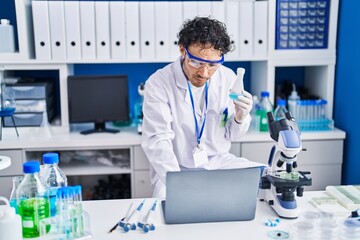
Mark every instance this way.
x=16 y=182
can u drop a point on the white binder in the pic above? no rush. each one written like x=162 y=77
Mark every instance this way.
x=246 y=42
x=175 y=22
x=260 y=29
x=190 y=10
x=232 y=23
x=218 y=11
x=132 y=30
x=117 y=30
x=147 y=30
x=57 y=30
x=162 y=28
x=72 y=30
x=41 y=30
x=204 y=8
x=87 y=24
x=102 y=29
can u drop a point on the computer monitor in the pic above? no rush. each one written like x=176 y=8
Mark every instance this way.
x=98 y=99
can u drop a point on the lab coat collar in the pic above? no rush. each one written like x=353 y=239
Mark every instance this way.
x=181 y=82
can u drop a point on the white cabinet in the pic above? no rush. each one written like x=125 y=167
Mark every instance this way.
x=14 y=169
x=322 y=158
x=141 y=179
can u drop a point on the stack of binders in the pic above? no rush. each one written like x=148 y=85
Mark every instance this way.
x=147 y=30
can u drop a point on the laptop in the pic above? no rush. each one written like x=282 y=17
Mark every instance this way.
x=211 y=195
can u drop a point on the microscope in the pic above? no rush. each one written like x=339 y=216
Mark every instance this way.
x=280 y=180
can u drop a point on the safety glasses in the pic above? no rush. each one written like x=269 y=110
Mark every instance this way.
x=200 y=63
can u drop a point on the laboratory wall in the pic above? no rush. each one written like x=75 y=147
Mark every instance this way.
x=347 y=87
x=347 y=84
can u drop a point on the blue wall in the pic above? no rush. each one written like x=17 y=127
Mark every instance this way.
x=347 y=87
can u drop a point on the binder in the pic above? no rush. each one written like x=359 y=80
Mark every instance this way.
x=218 y=11
x=102 y=29
x=190 y=10
x=204 y=8
x=246 y=42
x=41 y=24
x=72 y=30
x=87 y=24
x=57 y=30
x=260 y=29
x=132 y=30
x=162 y=28
x=175 y=22
x=232 y=23
x=117 y=30
x=147 y=30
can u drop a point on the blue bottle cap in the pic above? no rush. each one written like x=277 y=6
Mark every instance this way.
x=50 y=158
x=281 y=102
x=265 y=94
x=59 y=193
x=31 y=167
x=77 y=189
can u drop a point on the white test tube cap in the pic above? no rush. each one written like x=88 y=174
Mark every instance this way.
x=4 y=21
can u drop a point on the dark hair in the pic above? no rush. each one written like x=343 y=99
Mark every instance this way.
x=205 y=31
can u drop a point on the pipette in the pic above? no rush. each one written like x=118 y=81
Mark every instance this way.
x=148 y=225
x=129 y=223
x=123 y=219
x=238 y=87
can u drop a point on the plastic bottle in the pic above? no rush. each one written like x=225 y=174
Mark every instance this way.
x=10 y=222
x=280 y=110
x=265 y=107
x=33 y=204
x=7 y=44
x=139 y=108
x=13 y=201
x=255 y=120
x=292 y=102
x=53 y=177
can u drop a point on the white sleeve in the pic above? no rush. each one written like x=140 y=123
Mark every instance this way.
x=157 y=134
x=235 y=130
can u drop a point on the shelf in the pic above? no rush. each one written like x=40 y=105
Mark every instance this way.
x=109 y=61
x=86 y=169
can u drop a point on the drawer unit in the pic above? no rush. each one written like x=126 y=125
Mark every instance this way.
x=33 y=119
x=32 y=99
x=30 y=90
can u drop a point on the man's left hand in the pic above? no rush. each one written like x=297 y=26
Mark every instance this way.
x=243 y=106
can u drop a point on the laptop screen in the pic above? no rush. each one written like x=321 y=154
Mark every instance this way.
x=211 y=195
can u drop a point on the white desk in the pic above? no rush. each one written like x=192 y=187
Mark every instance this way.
x=104 y=215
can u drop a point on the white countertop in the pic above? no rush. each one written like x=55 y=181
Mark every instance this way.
x=104 y=214
x=35 y=138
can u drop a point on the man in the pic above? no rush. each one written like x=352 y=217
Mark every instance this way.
x=189 y=119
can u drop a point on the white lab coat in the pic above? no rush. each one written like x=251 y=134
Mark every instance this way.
x=169 y=136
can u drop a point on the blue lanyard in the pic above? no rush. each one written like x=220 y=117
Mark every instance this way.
x=198 y=135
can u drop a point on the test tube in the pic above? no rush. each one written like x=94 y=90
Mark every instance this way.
x=79 y=226
x=68 y=216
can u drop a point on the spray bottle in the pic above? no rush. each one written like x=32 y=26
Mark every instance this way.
x=238 y=87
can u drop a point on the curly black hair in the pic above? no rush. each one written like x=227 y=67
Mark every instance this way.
x=205 y=30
